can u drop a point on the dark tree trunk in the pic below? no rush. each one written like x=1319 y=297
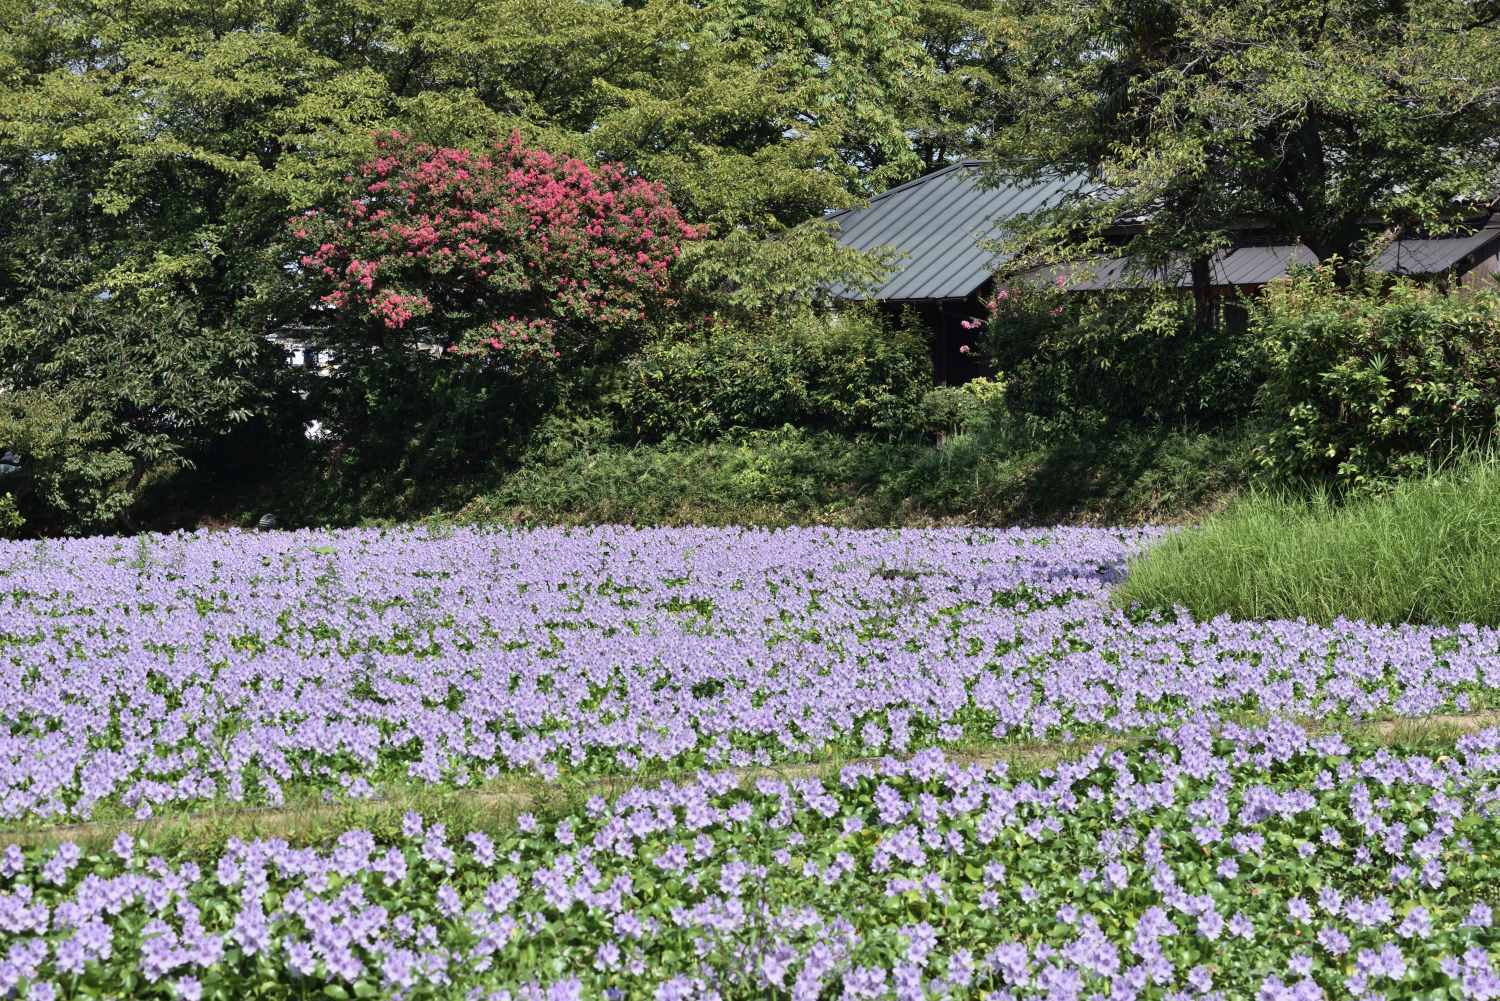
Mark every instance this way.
x=1203 y=294
x=1337 y=247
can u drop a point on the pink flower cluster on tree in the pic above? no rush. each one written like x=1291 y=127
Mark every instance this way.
x=514 y=253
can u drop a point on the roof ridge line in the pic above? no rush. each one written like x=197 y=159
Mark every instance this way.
x=921 y=179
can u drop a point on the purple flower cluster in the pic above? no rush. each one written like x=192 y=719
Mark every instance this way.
x=164 y=671
x=1103 y=877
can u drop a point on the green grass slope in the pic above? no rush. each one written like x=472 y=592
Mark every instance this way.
x=1427 y=552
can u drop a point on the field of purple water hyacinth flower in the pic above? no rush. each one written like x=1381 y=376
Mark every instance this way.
x=1222 y=850
x=1260 y=863
x=166 y=672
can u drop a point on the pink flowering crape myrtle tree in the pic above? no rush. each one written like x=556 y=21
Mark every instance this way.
x=515 y=257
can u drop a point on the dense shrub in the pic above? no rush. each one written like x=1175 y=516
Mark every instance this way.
x=973 y=407
x=1078 y=358
x=12 y=522
x=1427 y=551
x=405 y=430
x=99 y=394
x=72 y=478
x=1124 y=475
x=575 y=474
x=1366 y=383
x=852 y=373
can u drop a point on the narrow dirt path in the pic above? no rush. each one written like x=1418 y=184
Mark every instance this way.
x=499 y=804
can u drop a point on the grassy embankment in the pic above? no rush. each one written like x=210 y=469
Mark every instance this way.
x=493 y=807
x=794 y=477
x=1426 y=552
x=768 y=479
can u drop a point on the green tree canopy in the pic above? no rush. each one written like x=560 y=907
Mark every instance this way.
x=151 y=152
x=1324 y=120
x=159 y=144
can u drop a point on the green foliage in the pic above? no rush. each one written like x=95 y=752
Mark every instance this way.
x=148 y=156
x=852 y=373
x=975 y=407
x=72 y=479
x=1092 y=475
x=1368 y=383
x=405 y=434
x=774 y=477
x=11 y=519
x=196 y=126
x=954 y=112
x=153 y=150
x=102 y=393
x=758 y=112
x=1428 y=551
x=751 y=279
x=574 y=475
x=1076 y=360
x=1319 y=117
x=150 y=153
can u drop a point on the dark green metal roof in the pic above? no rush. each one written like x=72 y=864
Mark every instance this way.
x=940 y=224
x=1421 y=257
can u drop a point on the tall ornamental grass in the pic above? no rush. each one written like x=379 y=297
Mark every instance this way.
x=1426 y=552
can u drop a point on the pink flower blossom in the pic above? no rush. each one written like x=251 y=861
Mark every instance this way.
x=425 y=215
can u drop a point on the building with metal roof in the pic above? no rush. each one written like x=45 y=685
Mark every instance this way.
x=1468 y=257
x=939 y=224
x=942 y=228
